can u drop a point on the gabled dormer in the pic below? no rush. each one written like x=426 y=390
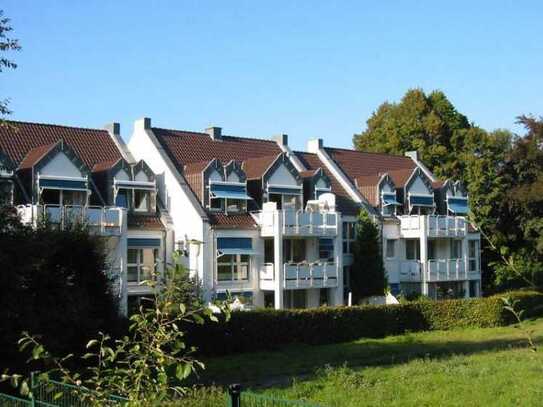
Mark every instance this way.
x=388 y=199
x=275 y=179
x=456 y=198
x=315 y=184
x=56 y=176
x=7 y=181
x=419 y=194
x=133 y=186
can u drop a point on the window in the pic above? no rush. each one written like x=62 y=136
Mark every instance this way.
x=456 y=249
x=142 y=200
x=216 y=204
x=473 y=288
x=347 y=277
x=63 y=197
x=293 y=250
x=473 y=253
x=295 y=298
x=391 y=248
x=141 y=264
x=323 y=297
x=123 y=198
x=412 y=249
x=269 y=256
x=235 y=205
x=348 y=237
x=431 y=249
x=388 y=210
x=6 y=192
x=326 y=249
x=286 y=201
x=233 y=267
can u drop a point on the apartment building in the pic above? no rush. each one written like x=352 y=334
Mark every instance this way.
x=77 y=175
x=272 y=226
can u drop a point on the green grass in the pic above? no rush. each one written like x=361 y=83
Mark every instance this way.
x=466 y=367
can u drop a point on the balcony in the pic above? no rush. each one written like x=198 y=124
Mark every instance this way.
x=107 y=221
x=301 y=275
x=298 y=222
x=436 y=226
x=446 y=270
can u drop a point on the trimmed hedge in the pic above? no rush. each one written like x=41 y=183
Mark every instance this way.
x=266 y=329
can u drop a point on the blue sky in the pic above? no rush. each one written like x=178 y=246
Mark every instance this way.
x=305 y=68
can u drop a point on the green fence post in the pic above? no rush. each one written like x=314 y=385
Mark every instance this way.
x=234 y=391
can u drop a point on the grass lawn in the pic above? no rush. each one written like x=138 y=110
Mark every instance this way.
x=470 y=367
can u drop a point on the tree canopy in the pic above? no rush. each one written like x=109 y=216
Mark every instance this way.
x=7 y=44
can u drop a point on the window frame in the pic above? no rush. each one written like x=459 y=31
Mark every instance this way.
x=348 y=237
x=388 y=245
x=140 y=264
x=235 y=264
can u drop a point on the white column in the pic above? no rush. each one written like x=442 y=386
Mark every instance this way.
x=278 y=259
x=337 y=296
x=423 y=222
x=465 y=260
x=121 y=252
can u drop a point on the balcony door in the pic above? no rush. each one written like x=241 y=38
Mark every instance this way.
x=295 y=299
x=294 y=250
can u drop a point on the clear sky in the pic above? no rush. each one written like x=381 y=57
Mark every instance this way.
x=305 y=68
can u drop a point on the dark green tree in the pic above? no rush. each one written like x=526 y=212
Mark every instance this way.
x=6 y=44
x=368 y=275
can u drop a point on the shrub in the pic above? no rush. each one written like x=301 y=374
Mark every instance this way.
x=269 y=329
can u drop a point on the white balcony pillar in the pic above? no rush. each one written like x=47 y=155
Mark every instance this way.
x=278 y=259
x=423 y=236
x=338 y=254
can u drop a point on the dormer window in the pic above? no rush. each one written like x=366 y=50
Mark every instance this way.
x=137 y=196
x=286 y=197
x=63 y=191
x=389 y=203
x=228 y=196
x=457 y=205
x=421 y=204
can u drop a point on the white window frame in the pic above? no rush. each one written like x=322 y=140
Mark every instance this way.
x=388 y=244
x=348 y=238
x=139 y=263
x=234 y=266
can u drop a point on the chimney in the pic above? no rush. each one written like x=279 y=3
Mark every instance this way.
x=144 y=123
x=414 y=155
x=215 y=133
x=281 y=139
x=113 y=128
x=314 y=145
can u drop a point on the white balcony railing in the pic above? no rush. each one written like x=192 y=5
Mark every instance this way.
x=410 y=271
x=446 y=270
x=436 y=225
x=298 y=222
x=102 y=220
x=310 y=275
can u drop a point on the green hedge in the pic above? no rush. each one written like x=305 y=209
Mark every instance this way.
x=269 y=329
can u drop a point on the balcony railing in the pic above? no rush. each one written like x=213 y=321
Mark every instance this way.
x=310 y=275
x=101 y=220
x=436 y=225
x=298 y=222
x=446 y=270
x=410 y=271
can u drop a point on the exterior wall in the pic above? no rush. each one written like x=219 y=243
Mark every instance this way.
x=419 y=187
x=188 y=220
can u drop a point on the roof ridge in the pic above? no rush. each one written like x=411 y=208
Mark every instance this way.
x=199 y=133
x=366 y=152
x=55 y=125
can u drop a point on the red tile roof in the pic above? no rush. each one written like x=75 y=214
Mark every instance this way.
x=141 y=221
x=35 y=155
x=186 y=147
x=238 y=221
x=357 y=164
x=255 y=168
x=92 y=146
x=344 y=202
x=367 y=186
x=400 y=177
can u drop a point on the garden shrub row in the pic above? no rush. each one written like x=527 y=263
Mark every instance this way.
x=267 y=329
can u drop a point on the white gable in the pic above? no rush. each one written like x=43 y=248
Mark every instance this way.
x=61 y=166
x=122 y=175
x=233 y=177
x=419 y=187
x=215 y=176
x=141 y=176
x=282 y=176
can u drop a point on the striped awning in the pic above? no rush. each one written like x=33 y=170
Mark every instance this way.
x=229 y=191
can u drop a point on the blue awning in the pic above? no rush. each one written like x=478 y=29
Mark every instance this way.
x=389 y=199
x=421 y=200
x=229 y=191
x=51 y=183
x=143 y=242
x=235 y=245
x=285 y=190
x=458 y=205
x=135 y=185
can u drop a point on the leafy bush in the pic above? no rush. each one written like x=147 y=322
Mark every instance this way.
x=269 y=329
